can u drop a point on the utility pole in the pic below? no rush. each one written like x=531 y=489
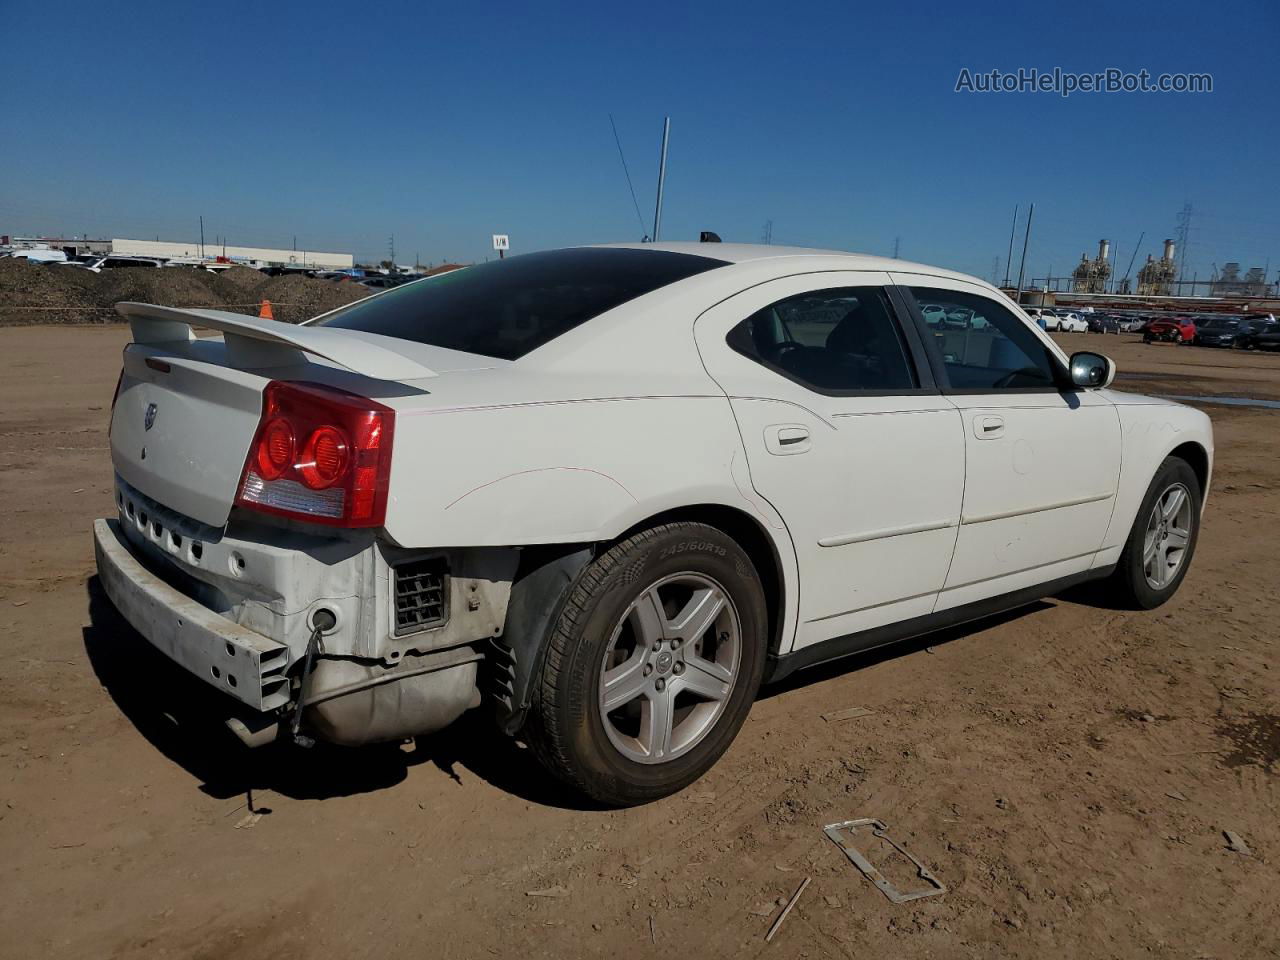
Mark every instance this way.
x=1026 y=238
x=1008 y=261
x=662 y=178
x=202 y=237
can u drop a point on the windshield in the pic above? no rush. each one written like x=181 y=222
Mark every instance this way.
x=507 y=308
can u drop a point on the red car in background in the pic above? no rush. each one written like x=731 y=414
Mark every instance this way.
x=1172 y=330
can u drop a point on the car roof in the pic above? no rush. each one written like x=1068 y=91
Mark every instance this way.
x=748 y=252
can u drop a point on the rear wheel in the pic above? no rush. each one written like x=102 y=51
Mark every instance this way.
x=652 y=665
x=1158 y=553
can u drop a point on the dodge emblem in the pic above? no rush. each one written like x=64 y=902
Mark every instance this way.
x=149 y=418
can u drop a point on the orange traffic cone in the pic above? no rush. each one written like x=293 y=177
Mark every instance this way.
x=264 y=312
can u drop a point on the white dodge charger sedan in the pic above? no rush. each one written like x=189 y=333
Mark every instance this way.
x=609 y=491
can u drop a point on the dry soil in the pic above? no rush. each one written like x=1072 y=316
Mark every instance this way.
x=1067 y=771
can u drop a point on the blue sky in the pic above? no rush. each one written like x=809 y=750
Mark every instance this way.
x=345 y=124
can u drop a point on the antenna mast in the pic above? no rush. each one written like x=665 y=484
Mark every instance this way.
x=662 y=178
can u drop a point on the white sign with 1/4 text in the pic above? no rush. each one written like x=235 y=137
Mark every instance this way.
x=501 y=241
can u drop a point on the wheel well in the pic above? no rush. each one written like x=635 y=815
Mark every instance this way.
x=752 y=538
x=1198 y=459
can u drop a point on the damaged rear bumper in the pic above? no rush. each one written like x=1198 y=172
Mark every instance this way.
x=416 y=682
x=238 y=661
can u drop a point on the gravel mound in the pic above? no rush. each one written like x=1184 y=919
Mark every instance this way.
x=294 y=299
x=40 y=294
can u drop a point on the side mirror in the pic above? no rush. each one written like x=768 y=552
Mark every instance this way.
x=1092 y=370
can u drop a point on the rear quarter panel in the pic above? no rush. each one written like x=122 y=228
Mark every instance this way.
x=561 y=472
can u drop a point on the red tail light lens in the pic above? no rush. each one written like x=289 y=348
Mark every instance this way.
x=324 y=459
x=275 y=450
x=320 y=454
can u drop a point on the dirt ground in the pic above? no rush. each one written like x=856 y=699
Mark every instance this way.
x=1066 y=771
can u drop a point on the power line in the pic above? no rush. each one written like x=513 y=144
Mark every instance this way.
x=627 y=174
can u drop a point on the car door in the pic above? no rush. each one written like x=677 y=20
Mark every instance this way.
x=847 y=437
x=1042 y=458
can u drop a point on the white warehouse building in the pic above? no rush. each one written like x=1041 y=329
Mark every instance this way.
x=167 y=250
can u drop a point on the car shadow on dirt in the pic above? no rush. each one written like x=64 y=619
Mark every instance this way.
x=892 y=651
x=182 y=717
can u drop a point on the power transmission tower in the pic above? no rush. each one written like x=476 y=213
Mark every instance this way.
x=995 y=270
x=768 y=232
x=391 y=248
x=1184 y=239
x=897 y=241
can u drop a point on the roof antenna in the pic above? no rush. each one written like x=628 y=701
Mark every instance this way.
x=662 y=178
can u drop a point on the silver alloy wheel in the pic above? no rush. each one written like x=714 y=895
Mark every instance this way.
x=1168 y=534
x=670 y=668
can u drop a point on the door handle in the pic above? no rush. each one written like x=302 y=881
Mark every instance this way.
x=987 y=427
x=786 y=439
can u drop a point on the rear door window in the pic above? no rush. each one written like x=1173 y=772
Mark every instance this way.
x=834 y=341
x=507 y=308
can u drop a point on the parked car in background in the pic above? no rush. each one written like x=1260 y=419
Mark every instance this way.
x=1067 y=321
x=1102 y=323
x=195 y=263
x=82 y=262
x=1038 y=315
x=40 y=256
x=1171 y=330
x=387 y=282
x=1130 y=324
x=337 y=544
x=98 y=264
x=1219 y=331
x=1262 y=334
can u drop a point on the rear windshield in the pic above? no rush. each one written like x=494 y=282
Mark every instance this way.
x=506 y=308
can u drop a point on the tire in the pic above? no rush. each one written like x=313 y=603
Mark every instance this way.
x=1131 y=581
x=614 y=755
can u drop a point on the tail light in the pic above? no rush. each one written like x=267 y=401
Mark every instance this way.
x=320 y=454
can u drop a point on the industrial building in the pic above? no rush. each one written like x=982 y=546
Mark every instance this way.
x=169 y=250
x=1230 y=284
x=257 y=256
x=1155 y=278
x=1091 y=276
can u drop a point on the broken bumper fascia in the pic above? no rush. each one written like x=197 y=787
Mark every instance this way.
x=238 y=661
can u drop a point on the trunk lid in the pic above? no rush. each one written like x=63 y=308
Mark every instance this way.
x=181 y=428
x=187 y=408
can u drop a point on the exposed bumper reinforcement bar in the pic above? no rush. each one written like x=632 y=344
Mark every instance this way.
x=238 y=661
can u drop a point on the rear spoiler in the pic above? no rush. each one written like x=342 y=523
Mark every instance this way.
x=258 y=342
